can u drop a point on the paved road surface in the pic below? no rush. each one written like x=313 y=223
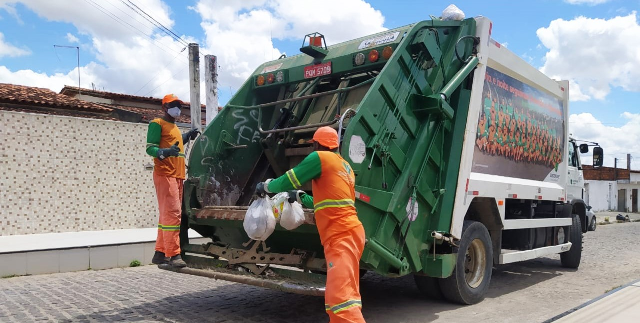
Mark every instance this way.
x=526 y=292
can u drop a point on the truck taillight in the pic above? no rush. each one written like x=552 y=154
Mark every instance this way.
x=260 y=80
x=386 y=52
x=373 y=56
x=270 y=78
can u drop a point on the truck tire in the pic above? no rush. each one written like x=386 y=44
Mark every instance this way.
x=571 y=258
x=474 y=261
x=592 y=226
x=428 y=286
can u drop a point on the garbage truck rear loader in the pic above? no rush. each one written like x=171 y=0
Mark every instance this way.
x=458 y=146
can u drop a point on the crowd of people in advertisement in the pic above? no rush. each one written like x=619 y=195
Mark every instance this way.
x=516 y=130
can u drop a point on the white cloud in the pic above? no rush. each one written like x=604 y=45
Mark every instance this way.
x=7 y=49
x=615 y=141
x=72 y=39
x=239 y=33
x=31 y=78
x=130 y=50
x=11 y=10
x=597 y=54
x=587 y=2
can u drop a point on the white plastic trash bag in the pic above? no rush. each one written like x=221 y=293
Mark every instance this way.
x=279 y=200
x=259 y=222
x=452 y=13
x=292 y=216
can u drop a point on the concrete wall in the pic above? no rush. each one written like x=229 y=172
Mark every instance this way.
x=64 y=174
x=601 y=195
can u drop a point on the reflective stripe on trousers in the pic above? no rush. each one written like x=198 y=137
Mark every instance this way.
x=169 y=194
x=342 y=293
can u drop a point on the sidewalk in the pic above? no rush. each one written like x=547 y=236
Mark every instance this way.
x=73 y=251
x=612 y=216
x=619 y=305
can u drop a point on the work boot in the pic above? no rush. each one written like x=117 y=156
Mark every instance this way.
x=176 y=261
x=159 y=258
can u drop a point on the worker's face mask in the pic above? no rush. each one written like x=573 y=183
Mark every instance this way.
x=174 y=112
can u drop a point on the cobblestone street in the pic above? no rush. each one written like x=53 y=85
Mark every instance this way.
x=539 y=289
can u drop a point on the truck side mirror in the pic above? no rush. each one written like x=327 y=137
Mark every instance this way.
x=598 y=155
x=584 y=148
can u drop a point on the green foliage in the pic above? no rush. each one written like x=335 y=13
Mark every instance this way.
x=134 y=263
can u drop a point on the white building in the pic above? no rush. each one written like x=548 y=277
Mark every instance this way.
x=612 y=189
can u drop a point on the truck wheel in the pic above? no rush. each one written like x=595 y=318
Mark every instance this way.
x=592 y=226
x=474 y=261
x=429 y=286
x=571 y=258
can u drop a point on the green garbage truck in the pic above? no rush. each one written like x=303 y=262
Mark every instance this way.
x=460 y=150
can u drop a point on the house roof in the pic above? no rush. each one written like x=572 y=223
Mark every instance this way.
x=150 y=114
x=73 y=90
x=40 y=97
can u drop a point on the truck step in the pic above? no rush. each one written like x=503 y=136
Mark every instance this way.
x=509 y=256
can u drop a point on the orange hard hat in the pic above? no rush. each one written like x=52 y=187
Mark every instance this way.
x=326 y=136
x=170 y=98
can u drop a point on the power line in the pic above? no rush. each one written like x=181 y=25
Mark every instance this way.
x=156 y=23
x=145 y=84
x=152 y=20
x=124 y=23
x=174 y=74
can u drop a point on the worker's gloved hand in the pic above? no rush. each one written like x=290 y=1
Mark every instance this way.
x=295 y=196
x=262 y=188
x=190 y=135
x=168 y=152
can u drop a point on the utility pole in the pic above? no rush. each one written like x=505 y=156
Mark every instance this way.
x=211 y=86
x=78 y=52
x=194 y=85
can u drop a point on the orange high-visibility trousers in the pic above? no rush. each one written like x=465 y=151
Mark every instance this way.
x=169 y=193
x=342 y=294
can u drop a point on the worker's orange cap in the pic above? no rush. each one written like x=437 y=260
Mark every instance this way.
x=170 y=98
x=327 y=137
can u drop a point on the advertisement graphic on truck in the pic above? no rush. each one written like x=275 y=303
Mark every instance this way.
x=520 y=130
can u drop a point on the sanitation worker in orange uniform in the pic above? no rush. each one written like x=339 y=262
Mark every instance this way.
x=341 y=232
x=165 y=144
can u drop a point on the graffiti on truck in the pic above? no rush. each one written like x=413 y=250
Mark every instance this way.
x=246 y=125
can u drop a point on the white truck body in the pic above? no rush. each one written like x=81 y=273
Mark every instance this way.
x=502 y=179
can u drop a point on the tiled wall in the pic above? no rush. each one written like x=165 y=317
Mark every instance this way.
x=61 y=174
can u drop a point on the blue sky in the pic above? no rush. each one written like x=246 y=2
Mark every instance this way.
x=589 y=42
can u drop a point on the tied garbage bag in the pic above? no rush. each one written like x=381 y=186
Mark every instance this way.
x=452 y=13
x=292 y=215
x=259 y=222
x=279 y=200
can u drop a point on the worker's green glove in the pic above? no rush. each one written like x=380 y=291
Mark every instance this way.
x=263 y=188
x=168 y=152
x=295 y=196
x=190 y=135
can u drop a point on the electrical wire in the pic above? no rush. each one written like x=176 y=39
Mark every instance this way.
x=145 y=84
x=174 y=74
x=124 y=23
x=146 y=16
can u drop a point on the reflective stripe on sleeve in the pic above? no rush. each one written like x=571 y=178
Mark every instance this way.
x=293 y=179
